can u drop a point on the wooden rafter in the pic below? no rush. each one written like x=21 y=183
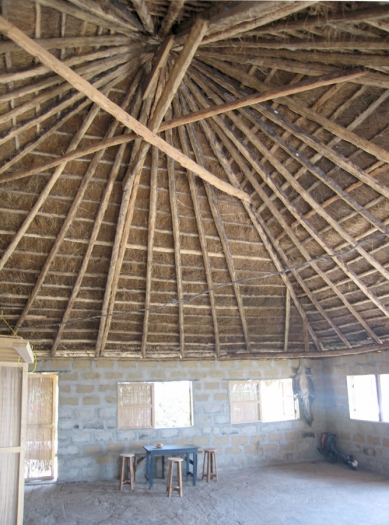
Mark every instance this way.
x=144 y=15
x=279 y=193
x=177 y=244
x=85 y=87
x=201 y=232
x=49 y=186
x=150 y=245
x=171 y=16
x=232 y=177
x=212 y=202
x=80 y=194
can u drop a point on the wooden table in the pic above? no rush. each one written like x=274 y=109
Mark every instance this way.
x=190 y=451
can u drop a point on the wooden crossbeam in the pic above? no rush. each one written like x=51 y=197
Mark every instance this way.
x=192 y=117
x=105 y=103
x=271 y=94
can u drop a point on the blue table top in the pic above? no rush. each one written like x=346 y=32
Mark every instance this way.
x=171 y=448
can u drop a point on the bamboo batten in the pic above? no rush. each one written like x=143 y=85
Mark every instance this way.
x=185 y=180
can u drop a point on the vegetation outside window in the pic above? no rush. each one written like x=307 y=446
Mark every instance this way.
x=262 y=400
x=368 y=397
x=155 y=405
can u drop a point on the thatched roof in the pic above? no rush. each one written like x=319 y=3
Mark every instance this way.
x=207 y=180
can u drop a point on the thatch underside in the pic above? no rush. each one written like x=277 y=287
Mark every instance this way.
x=253 y=229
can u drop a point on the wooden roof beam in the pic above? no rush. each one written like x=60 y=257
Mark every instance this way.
x=177 y=243
x=92 y=12
x=173 y=12
x=50 y=184
x=201 y=232
x=222 y=235
x=197 y=115
x=271 y=94
x=232 y=177
x=150 y=246
x=239 y=160
x=178 y=72
x=144 y=15
x=100 y=214
x=93 y=94
x=269 y=181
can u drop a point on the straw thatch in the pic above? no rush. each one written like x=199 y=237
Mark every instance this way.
x=258 y=228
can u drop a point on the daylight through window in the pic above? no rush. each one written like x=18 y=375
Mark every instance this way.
x=155 y=405
x=368 y=397
x=262 y=400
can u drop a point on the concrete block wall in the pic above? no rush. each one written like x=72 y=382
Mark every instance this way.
x=367 y=441
x=89 y=442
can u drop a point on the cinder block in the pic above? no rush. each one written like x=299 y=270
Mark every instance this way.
x=239 y=440
x=108 y=388
x=105 y=363
x=82 y=363
x=68 y=401
x=221 y=440
x=90 y=376
x=233 y=450
x=84 y=389
x=373 y=440
x=114 y=375
x=275 y=437
x=90 y=400
x=110 y=399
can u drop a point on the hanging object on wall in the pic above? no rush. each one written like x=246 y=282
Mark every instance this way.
x=304 y=391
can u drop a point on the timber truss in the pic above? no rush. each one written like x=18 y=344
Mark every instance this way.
x=195 y=179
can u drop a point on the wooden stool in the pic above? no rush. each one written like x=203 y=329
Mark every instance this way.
x=209 y=465
x=169 y=487
x=131 y=477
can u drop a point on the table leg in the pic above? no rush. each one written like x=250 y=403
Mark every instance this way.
x=194 y=468
x=151 y=471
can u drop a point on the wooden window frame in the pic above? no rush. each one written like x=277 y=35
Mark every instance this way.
x=259 y=402
x=148 y=420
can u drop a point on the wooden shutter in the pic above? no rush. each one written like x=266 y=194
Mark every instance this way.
x=41 y=427
x=13 y=396
x=135 y=405
x=244 y=401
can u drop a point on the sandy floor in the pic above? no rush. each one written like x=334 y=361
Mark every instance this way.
x=302 y=494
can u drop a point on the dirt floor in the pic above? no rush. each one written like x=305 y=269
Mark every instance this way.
x=301 y=494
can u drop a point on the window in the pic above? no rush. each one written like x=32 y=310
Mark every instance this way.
x=368 y=397
x=41 y=440
x=265 y=400
x=155 y=405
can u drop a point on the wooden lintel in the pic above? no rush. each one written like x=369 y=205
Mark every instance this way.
x=105 y=103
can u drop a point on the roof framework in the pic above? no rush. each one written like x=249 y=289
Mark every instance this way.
x=194 y=179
